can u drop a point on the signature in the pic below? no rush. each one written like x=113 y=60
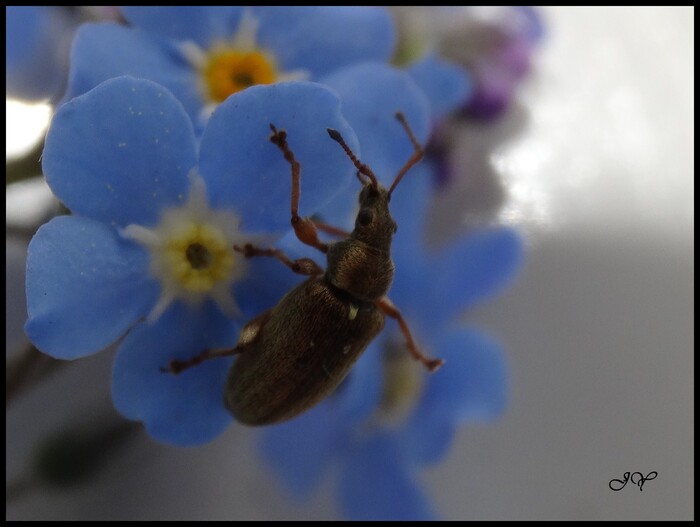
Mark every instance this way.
x=619 y=484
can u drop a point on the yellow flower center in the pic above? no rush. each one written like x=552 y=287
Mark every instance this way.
x=199 y=257
x=403 y=384
x=192 y=253
x=229 y=71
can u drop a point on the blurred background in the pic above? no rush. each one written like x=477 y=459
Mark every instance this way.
x=595 y=159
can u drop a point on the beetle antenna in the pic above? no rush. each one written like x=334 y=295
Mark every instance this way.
x=361 y=167
x=417 y=152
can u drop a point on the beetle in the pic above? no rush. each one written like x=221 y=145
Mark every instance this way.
x=298 y=352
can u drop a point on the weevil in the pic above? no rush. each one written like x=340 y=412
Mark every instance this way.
x=298 y=352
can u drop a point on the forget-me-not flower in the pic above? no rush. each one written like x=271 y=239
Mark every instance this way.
x=203 y=54
x=146 y=259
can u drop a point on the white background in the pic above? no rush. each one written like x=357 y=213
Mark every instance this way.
x=598 y=328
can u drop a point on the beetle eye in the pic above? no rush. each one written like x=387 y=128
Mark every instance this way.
x=364 y=217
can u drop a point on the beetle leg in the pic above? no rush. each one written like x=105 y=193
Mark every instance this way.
x=248 y=334
x=177 y=366
x=389 y=309
x=305 y=266
x=304 y=228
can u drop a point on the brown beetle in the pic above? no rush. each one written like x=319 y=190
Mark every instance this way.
x=295 y=354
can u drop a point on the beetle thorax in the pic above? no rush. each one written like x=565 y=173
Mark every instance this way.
x=359 y=269
x=361 y=265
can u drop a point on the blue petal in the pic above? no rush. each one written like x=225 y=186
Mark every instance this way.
x=372 y=93
x=104 y=51
x=185 y=409
x=37 y=47
x=360 y=393
x=85 y=287
x=427 y=441
x=321 y=39
x=376 y=484
x=266 y=281
x=413 y=276
x=300 y=450
x=120 y=153
x=201 y=24
x=341 y=211
x=472 y=386
x=472 y=269
x=409 y=207
x=432 y=290
x=247 y=173
x=446 y=85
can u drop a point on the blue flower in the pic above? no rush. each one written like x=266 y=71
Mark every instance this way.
x=147 y=255
x=204 y=54
x=446 y=85
x=371 y=93
x=37 y=50
x=390 y=419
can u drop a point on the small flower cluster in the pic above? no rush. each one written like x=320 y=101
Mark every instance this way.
x=161 y=152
